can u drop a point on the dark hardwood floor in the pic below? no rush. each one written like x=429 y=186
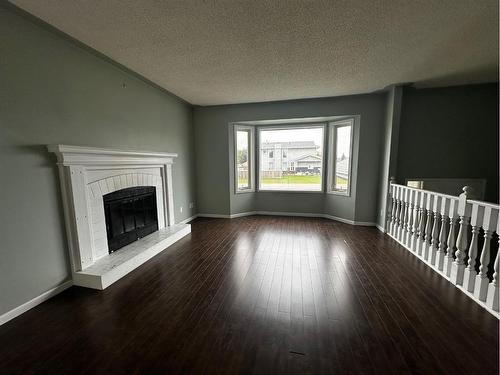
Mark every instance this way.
x=262 y=295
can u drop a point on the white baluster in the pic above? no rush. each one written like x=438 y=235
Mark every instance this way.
x=493 y=297
x=428 y=228
x=395 y=215
x=409 y=214
x=435 y=230
x=489 y=222
x=402 y=215
x=458 y=267
x=392 y=212
x=414 y=231
x=492 y=300
x=406 y=217
x=451 y=241
x=470 y=271
x=482 y=281
x=421 y=225
x=392 y=217
x=441 y=253
x=457 y=271
x=398 y=210
x=476 y=222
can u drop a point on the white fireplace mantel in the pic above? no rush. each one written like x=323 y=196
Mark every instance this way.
x=79 y=155
x=89 y=173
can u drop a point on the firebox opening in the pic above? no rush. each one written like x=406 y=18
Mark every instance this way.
x=130 y=214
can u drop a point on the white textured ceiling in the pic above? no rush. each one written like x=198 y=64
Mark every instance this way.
x=222 y=51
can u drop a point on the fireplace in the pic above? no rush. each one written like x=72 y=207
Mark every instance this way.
x=130 y=214
x=111 y=199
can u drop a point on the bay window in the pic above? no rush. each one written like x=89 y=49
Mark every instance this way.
x=291 y=157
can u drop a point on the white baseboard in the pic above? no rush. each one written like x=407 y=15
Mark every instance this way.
x=241 y=214
x=299 y=214
x=279 y=213
x=380 y=228
x=9 y=315
x=215 y=216
x=347 y=221
x=185 y=221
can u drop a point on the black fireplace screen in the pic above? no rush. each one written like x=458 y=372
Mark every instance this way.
x=130 y=214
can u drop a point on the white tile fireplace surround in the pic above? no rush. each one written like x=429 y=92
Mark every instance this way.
x=86 y=175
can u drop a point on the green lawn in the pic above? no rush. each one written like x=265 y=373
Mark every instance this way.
x=293 y=179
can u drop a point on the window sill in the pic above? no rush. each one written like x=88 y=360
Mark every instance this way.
x=292 y=191
x=340 y=193
x=244 y=191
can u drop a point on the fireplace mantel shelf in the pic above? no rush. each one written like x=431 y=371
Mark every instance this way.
x=82 y=155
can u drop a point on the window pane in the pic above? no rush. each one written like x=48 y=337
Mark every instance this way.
x=291 y=159
x=242 y=145
x=342 y=157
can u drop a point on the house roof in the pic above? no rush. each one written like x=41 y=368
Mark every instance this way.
x=310 y=157
x=295 y=144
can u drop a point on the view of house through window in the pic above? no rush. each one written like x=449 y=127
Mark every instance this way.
x=342 y=138
x=242 y=159
x=291 y=158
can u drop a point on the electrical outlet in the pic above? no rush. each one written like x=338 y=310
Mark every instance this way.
x=181 y=209
x=191 y=205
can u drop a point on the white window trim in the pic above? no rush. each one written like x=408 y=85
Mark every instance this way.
x=305 y=125
x=332 y=127
x=251 y=158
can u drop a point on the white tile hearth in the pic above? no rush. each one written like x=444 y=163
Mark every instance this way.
x=107 y=270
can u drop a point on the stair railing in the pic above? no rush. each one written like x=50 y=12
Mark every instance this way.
x=426 y=223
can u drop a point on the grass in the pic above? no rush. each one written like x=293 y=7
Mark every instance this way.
x=294 y=179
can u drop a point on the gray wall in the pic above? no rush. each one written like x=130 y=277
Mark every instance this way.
x=53 y=91
x=215 y=194
x=450 y=133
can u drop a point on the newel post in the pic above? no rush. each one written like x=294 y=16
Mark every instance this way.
x=464 y=211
